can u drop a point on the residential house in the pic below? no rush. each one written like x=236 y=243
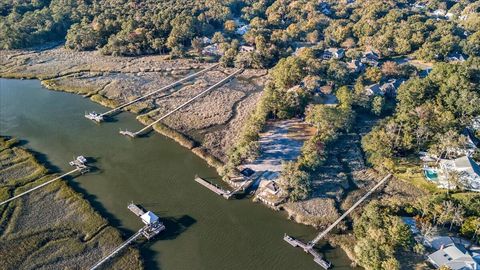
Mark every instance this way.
x=242 y=30
x=325 y=7
x=370 y=58
x=206 y=40
x=455 y=257
x=247 y=48
x=374 y=90
x=466 y=168
x=439 y=13
x=455 y=57
x=390 y=87
x=212 y=50
x=419 y=6
x=355 y=66
x=475 y=123
x=472 y=141
x=335 y=53
x=270 y=193
x=387 y=89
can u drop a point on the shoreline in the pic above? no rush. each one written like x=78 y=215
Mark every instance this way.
x=89 y=237
x=182 y=138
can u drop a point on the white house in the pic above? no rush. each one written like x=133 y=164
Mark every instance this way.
x=467 y=170
x=206 y=40
x=149 y=218
x=211 y=50
x=335 y=53
x=475 y=123
x=454 y=256
x=247 y=49
x=439 y=13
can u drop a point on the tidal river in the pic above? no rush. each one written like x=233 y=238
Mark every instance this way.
x=204 y=231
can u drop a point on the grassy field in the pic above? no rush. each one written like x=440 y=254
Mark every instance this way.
x=53 y=227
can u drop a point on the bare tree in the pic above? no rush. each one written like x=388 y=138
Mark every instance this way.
x=427 y=229
x=458 y=216
x=424 y=206
x=447 y=214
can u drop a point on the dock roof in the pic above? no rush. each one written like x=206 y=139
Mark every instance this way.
x=149 y=218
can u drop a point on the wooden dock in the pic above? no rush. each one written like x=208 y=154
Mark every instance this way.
x=218 y=190
x=216 y=85
x=118 y=249
x=81 y=167
x=135 y=209
x=150 y=230
x=100 y=117
x=317 y=257
x=309 y=246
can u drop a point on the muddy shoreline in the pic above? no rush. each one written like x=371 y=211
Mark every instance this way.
x=54 y=227
x=207 y=128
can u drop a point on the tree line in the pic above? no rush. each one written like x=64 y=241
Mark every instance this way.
x=276 y=28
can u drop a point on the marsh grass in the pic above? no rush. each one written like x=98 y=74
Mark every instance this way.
x=54 y=84
x=104 y=101
x=53 y=227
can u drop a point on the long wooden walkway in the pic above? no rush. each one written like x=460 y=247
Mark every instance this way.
x=151 y=229
x=309 y=246
x=100 y=117
x=39 y=186
x=224 y=80
x=119 y=248
x=363 y=198
x=216 y=189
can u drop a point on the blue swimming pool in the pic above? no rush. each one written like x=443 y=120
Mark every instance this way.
x=431 y=174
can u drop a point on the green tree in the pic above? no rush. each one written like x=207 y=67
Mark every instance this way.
x=373 y=74
x=288 y=72
x=295 y=181
x=378 y=104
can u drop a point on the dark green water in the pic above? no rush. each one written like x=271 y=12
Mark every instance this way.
x=204 y=231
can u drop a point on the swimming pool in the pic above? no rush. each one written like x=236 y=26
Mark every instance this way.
x=431 y=174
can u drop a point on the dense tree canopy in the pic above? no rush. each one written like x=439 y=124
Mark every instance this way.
x=132 y=27
x=444 y=102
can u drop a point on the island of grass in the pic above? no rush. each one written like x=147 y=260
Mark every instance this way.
x=53 y=227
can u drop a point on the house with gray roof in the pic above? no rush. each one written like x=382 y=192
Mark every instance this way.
x=466 y=168
x=454 y=256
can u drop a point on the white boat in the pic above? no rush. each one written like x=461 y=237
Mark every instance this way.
x=81 y=159
x=94 y=116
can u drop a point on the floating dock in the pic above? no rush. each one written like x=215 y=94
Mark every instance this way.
x=101 y=117
x=149 y=126
x=153 y=226
x=136 y=209
x=128 y=133
x=80 y=164
x=94 y=117
x=222 y=192
x=317 y=257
